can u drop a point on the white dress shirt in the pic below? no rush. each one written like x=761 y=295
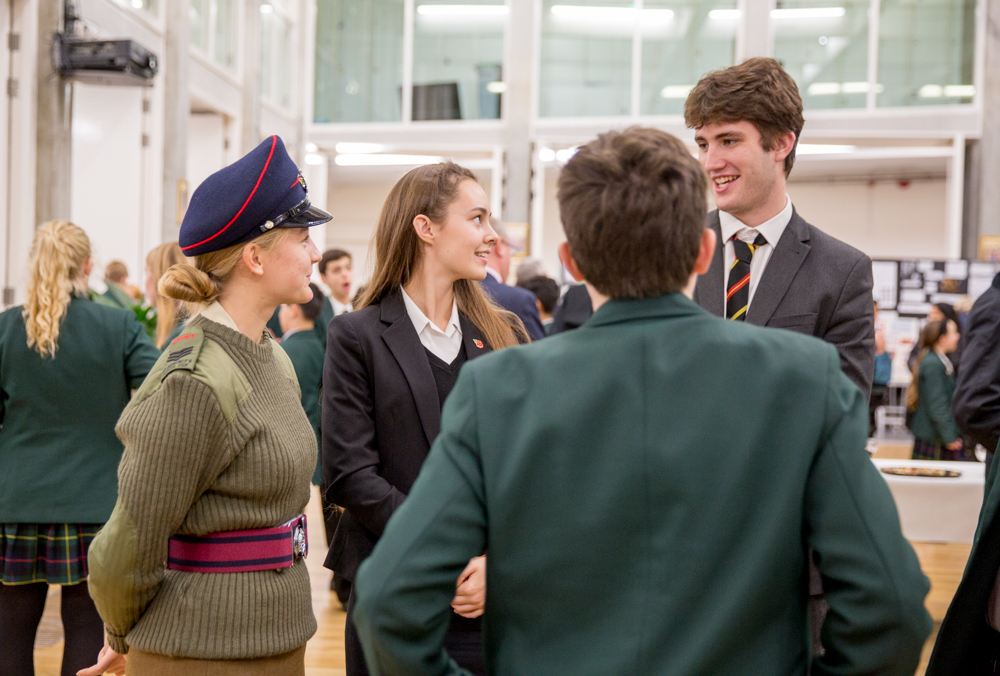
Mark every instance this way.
x=772 y=231
x=445 y=345
x=340 y=308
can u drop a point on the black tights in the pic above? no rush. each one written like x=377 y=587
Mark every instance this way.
x=21 y=608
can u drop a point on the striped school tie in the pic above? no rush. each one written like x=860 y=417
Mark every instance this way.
x=738 y=294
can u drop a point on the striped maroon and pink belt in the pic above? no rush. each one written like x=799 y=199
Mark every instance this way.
x=240 y=551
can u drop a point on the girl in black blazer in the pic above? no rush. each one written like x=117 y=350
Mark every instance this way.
x=390 y=365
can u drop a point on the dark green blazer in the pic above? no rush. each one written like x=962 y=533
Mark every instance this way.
x=115 y=297
x=307 y=354
x=58 y=448
x=933 y=421
x=647 y=488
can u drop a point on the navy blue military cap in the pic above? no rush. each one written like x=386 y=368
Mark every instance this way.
x=259 y=192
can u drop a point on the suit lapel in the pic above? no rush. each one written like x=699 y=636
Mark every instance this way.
x=472 y=339
x=785 y=262
x=709 y=292
x=405 y=345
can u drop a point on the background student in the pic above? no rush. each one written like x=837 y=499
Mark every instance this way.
x=336 y=270
x=511 y=298
x=936 y=435
x=170 y=313
x=67 y=366
x=391 y=364
x=546 y=296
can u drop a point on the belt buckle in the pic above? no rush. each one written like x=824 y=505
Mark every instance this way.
x=300 y=541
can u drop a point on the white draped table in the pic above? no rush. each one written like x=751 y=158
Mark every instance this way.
x=933 y=509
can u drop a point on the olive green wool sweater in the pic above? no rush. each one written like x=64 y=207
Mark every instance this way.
x=215 y=440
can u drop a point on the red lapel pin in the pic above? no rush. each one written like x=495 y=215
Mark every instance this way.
x=478 y=343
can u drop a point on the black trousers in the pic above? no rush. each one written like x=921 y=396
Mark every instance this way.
x=465 y=647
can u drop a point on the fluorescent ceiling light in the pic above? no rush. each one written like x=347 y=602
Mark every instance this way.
x=315 y=159
x=563 y=155
x=351 y=160
x=808 y=13
x=547 y=155
x=137 y=4
x=931 y=92
x=609 y=13
x=496 y=87
x=824 y=88
x=960 y=91
x=676 y=91
x=818 y=149
x=312 y=148
x=266 y=9
x=360 y=148
x=463 y=10
x=832 y=88
x=724 y=14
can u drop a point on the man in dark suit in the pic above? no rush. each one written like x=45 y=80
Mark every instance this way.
x=771 y=267
x=573 y=310
x=976 y=405
x=511 y=298
x=684 y=461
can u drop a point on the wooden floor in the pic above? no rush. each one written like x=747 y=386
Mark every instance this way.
x=942 y=563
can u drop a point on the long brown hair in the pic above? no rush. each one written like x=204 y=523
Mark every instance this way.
x=929 y=337
x=55 y=272
x=159 y=260
x=428 y=191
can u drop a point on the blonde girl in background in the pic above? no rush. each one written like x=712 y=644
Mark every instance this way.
x=170 y=313
x=67 y=366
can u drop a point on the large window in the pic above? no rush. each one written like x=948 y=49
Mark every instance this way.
x=359 y=60
x=458 y=59
x=213 y=30
x=586 y=59
x=275 y=55
x=688 y=40
x=823 y=44
x=926 y=52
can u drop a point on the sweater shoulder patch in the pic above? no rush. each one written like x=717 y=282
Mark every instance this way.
x=182 y=353
x=216 y=369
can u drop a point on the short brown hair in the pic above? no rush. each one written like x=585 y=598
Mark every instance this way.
x=329 y=257
x=758 y=91
x=633 y=205
x=116 y=272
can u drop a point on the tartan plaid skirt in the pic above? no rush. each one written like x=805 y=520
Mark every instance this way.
x=55 y=553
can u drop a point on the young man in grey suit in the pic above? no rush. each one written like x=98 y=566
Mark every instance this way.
x=647 y=484
x=771 y=267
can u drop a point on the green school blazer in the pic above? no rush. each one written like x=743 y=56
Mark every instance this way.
x=307 y=353
x=646 y=489
x=933 y=421
x=58 y=448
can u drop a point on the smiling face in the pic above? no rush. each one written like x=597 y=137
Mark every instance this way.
x=339 y=276
x=461 y=243
x=288 y=266
x=746 y=180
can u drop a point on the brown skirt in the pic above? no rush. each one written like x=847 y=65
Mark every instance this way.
x=142 y=663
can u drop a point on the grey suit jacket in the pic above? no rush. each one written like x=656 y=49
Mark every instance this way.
x=813 y=284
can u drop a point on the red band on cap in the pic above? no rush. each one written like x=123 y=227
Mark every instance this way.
x=274 y=141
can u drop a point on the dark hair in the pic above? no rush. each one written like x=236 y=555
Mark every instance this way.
x=312 y=309
x=948 y=311
x=758 y=91
x=633 y=205
x=545 y=290
x=329 y=256
x=931 y=334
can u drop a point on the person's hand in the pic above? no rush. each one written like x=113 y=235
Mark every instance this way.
x=955 y=445
x=107 y=661
x=879 y=342
x=470 y=595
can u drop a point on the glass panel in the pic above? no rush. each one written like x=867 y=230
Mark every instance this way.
x=198 y=12
x=458 y=59
x=699 y=36
x=926 y=52
x=359 y=60
x=586 y=59
x=151 y=6
x=267 y=47
x=823 y=44
x=226 y=19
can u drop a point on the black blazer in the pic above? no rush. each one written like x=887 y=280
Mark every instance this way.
x=813 y=284
x=381 y=414
x=517 y=300
x=976 y=405
x=575 y=308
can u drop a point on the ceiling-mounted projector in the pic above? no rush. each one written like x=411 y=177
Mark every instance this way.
x=106 y=62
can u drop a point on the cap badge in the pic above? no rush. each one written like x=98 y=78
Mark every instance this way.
x=478 y=343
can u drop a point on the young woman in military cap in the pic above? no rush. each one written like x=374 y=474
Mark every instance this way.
x=218 y=451
x=67 y=366
x=390 y=365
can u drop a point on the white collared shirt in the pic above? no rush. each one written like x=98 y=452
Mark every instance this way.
x=218 y=314
x=771 y=229
x=445 y=345
x=340 y=308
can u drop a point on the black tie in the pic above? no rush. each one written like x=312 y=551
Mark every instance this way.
x=738 y=294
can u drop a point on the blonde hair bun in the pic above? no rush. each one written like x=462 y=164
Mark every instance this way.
x=189 y=284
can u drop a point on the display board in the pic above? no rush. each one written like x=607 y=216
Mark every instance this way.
x=909 y=287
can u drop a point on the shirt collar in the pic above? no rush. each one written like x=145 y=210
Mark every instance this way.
x=772 y=229
x=494 y=274
x=420 y=320
x=216 y=313
x=338 y=307
x=290 y=332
